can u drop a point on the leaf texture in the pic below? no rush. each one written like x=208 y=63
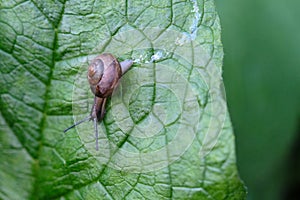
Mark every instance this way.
x=166 y=133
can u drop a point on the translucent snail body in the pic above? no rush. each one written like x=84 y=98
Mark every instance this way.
x=104 y=73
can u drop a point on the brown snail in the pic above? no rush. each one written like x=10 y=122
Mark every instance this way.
x=103 y=75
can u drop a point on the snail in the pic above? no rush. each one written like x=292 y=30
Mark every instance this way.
x=104 y=73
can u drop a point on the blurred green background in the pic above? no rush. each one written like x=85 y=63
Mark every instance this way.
x=261 y=41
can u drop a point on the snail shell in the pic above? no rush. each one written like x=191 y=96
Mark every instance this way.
x=103 y=75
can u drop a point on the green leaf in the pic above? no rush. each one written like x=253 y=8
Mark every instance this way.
x=166 y=133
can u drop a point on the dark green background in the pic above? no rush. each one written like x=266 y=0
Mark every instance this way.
x=262 y=77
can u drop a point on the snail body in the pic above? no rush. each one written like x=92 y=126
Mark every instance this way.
x=104 y=73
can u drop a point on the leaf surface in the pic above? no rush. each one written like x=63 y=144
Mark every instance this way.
x=166 y=133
